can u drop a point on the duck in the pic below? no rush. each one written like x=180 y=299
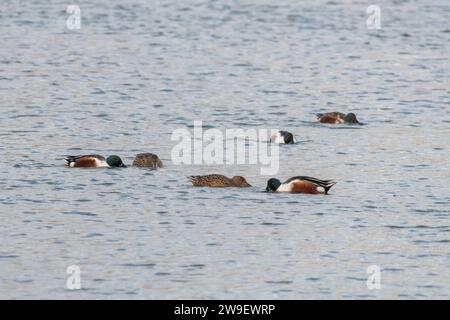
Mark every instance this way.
x=94 y=161
x=219 y=181
x=300 y=184
x=283 y=137
x=337 y=118
x=147 y=160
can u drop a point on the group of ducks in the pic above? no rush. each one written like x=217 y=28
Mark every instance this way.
x=299 y=184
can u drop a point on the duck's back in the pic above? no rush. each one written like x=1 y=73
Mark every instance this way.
x=147 y=160
x=211 y=180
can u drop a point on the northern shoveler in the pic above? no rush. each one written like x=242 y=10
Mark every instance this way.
x=147 y=160
x=337 y=117
x=94 y=161
x=300 y=185
x=282 y=137
x=218 y=180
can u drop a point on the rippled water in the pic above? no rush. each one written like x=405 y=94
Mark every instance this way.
x=136 y=71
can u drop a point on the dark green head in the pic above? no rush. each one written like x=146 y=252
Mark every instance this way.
x=351 y=118
x=115 y=162
x=273 y=184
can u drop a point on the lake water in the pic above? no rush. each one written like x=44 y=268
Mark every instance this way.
x=137 y=71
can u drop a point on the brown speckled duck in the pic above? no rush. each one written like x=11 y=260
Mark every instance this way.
x=147 y=160
x=219 y=181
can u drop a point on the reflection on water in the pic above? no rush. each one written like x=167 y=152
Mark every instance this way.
x=137 y=71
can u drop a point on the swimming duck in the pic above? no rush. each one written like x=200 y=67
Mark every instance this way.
x=218 y=180
x=147 y=160
x=300 y=185
x=94 y=161
x=337 y=117
x=282 y=137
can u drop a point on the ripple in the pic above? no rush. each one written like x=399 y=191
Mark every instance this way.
x=80 y=213
x=135 y=80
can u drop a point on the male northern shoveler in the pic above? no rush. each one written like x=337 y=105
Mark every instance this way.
x=300 y=185
x=147 y=160
x=337 y=117
x=94 y=161
x=218 y=180
x=282 y=137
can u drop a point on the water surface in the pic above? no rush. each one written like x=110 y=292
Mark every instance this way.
x=136 y=71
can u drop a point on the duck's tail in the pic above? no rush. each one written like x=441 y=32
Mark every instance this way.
x=194 y=180
x=70 y=160
x=325 y=184
x=329 y=185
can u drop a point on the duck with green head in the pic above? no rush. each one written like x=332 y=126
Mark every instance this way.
x=300 y=184
x=94 y=161
x=337 y=118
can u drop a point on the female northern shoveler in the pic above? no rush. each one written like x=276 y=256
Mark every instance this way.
x=300 y=185
x=337 y=117
x=282 y=137
x=217 y=180
x=147 y=160
x=94 y=161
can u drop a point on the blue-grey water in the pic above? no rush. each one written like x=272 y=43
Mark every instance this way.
x=137 y=70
